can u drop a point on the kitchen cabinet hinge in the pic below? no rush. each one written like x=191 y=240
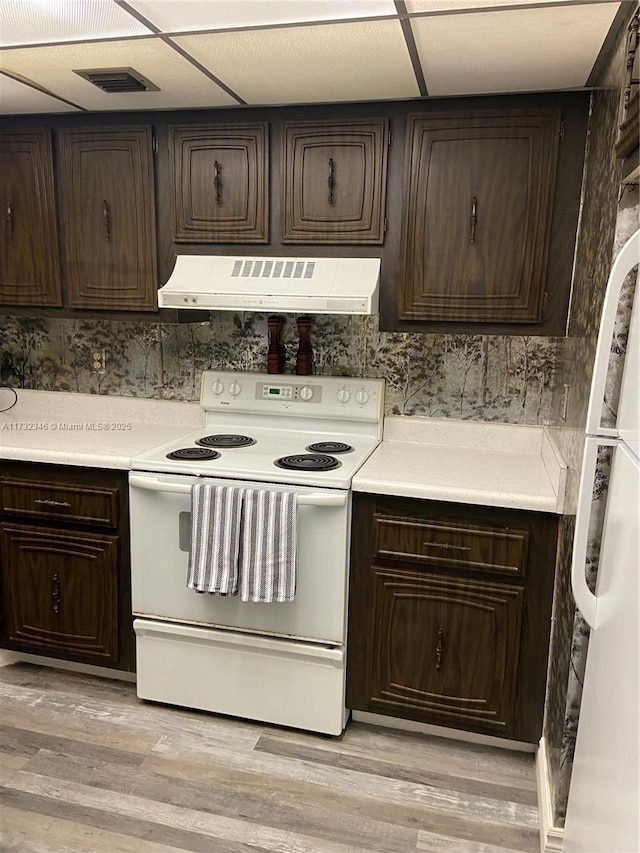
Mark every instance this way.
x=561 y=132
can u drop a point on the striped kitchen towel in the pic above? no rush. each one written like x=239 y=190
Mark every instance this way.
x=215 y=538
x=268 y=553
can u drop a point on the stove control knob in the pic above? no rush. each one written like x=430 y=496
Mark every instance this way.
x=362 y=396
x=343 y=395
x=305 y=393
x=234 y=388
x=217 y=387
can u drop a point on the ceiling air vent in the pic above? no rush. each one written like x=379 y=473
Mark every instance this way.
x=117 y=80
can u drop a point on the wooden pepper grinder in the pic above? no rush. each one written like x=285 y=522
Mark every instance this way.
x=275 y=353
x=304 y=356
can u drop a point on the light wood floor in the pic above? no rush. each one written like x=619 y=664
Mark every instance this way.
x=86 y=766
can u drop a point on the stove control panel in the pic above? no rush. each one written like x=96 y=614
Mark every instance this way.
x=284 y=391
x=342 y=397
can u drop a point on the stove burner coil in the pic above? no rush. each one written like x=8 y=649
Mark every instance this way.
x=307 y=462
x=330 y=447
x=193 y=454
x=224 y=440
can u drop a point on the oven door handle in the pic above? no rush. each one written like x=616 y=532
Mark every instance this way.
x=304 y=499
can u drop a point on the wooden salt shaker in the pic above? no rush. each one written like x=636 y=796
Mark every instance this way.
x=275 y=359
x=304 y=355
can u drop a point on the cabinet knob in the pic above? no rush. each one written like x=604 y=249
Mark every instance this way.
x=55 y=594
x=331 y=182
x=9 y=220
x=106 y=216
x=439 y=649
x=474 y=218
x=217 y=181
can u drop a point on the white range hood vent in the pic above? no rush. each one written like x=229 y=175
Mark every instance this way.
x=302 y=285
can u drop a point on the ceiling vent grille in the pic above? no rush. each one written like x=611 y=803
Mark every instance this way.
x=117 y=80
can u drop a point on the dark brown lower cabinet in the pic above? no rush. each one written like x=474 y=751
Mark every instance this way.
x=60 y=591
x=64 y=561
x=449 y=614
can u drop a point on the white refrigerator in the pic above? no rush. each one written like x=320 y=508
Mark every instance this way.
x=603 y=811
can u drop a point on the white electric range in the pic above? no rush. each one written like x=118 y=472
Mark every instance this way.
x=282 y=663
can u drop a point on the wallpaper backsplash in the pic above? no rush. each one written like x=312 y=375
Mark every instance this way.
x=493 y=378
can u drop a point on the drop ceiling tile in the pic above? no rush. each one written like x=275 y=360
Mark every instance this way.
x=39 y=21
x=178 y=16
x=180 y=84
x=414 y=6
x=17 y=98
x=295 y=65
x=514 y=51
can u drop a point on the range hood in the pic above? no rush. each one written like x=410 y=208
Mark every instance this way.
x=304 y=285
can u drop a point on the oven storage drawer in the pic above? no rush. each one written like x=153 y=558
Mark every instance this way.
x=244 y=675
x=451 y=544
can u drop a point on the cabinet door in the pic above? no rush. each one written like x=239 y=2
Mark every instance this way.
x=335 y=182
x=29 y=265
x=220 y=181
x=60 y=592
x=109 y=218
x=478 y=216
x=445 y=649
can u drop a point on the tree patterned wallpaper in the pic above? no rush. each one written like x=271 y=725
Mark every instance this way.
x=493 y=378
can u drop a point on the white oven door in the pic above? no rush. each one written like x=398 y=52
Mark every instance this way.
x=160 y=540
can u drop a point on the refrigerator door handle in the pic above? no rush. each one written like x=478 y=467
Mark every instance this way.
x=625 y=261
x=585 y=600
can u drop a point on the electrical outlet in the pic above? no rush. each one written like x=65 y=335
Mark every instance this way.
x=98 y=359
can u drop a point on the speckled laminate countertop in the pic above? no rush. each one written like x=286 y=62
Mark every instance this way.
x=96 y=431
x=461 y=461
x=471 y=462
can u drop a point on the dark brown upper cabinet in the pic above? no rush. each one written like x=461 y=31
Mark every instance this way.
x=29 y=262
x=477 y=215
x=220 y=183
x=109 y=218
x=334 y=182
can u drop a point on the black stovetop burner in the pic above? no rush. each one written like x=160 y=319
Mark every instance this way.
x=225 y=440
x=193 y=454
x=330 y=447
x=307 y=462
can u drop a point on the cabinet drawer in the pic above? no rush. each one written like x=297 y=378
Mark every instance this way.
x=483 y=549
x=80 y=504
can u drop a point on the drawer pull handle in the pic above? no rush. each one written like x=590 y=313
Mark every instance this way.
x=447 y=546
x=55 y=594
x=50 y=502
x=439 y=649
